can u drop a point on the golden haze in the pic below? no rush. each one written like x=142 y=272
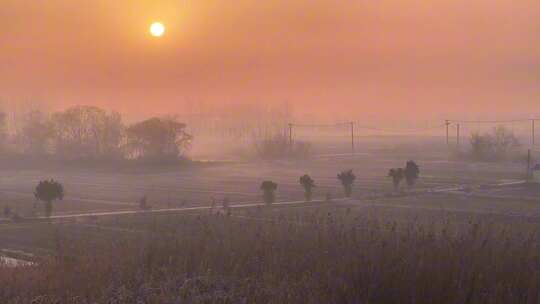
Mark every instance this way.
x=385 y=58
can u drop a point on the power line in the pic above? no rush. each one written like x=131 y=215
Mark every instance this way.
x=401 y=129
x=339 y=124
x=492 y=121
x=367 y=127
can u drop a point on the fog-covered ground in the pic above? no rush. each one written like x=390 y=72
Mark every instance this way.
x=238 y=179
x=449 y=194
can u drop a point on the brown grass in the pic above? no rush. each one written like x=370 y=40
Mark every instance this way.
x=317 y=256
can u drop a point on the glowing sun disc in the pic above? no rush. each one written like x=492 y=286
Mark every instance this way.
x=157 y=29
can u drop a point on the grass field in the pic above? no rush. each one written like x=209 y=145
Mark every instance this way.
x=91 y=190
x=326 y=253
x=430 y=245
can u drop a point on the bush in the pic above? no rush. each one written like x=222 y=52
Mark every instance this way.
x=269 y=188
x=308 y=184
x=347 y=179
x=279 y=146
x=498 y=145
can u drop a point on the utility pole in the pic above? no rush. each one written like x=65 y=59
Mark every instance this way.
x=457 y=139
x=532 y=132
x=528 y=164
x=290 y=135
x=352 y=136
x=447 y=123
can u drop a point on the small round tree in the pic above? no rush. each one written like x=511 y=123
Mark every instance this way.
x=412 y=173
x=308 y=184
x=397 y=176
x=48 y=191
x=269 y=188
x=347 y=179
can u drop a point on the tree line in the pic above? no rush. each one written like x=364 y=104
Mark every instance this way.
x=88 y=132
x=411 y=173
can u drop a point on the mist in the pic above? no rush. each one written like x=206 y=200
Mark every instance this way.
x=299 y=151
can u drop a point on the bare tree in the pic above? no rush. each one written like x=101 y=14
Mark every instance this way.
x=87 y=132
x=503 y=141
x=112 y=135
x=37 y=133
x=493 y=146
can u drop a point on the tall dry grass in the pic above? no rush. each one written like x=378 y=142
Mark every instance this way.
x=310 y=257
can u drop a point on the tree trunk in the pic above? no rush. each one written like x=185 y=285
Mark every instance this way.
x=348 y=191
x=269 y=197
x=48 y=208
x=308 y=195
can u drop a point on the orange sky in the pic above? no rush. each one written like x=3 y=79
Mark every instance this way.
x=382 y=58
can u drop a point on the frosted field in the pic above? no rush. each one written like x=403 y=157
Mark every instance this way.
x=238 y=181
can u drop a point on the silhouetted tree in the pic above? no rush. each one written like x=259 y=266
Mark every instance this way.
x=397 y=176
x=85 y=131
x=158 y=138
x=37 y=133
x=112 y=135
x=412 y=173
x=347 y=179
x=308 y=184
x=269 y=188
x=48 y=191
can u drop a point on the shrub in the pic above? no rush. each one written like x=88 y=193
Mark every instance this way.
x=308 y=184
x=269 y=188
x=347 y=179
x=497 y=145
x=279 y=146
x=411 y=172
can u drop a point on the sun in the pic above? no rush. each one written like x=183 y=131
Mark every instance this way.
x=157 y=29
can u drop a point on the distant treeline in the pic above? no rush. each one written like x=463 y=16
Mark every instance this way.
x=91 y=133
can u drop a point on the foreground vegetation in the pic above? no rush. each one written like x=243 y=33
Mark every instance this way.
x=325 y=255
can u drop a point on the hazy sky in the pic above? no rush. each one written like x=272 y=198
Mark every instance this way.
x=382 y=58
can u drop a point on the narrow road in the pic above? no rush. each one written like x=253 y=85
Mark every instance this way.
x=176 y=210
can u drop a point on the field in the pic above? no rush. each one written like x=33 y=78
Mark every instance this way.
x=466 y=233
x=239 y=181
